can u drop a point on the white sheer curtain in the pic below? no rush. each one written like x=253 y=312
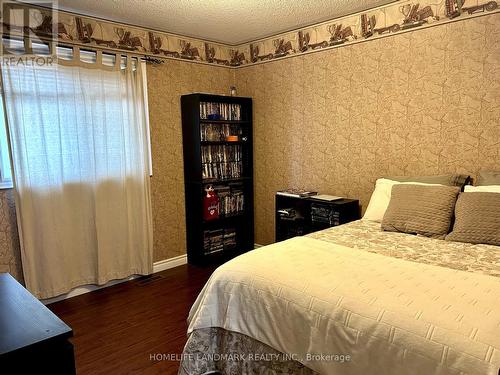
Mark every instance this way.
x=80 y=152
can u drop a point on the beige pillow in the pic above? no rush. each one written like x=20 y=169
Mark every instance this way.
x=477 y=219
x=446 y=179
x=482 y=189
x=418 y=209
x=380 y=199
x=488 y=178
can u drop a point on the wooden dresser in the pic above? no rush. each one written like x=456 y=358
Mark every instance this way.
x=32 y=339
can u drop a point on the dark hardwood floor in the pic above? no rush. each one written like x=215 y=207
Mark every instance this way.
x=117 y=328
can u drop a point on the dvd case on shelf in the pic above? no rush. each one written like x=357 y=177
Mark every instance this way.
x=221 y=162
x=220 y=111
x=231 y=199
x=218 y=240
x=325 y=215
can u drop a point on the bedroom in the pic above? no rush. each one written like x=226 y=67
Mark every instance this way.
x=342 y=94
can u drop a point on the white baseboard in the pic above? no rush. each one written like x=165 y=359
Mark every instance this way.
x=159 y=266
x=166 y=264
x=257 y=245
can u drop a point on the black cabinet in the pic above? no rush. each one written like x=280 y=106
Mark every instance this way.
x=296 y=216
x=32 y=339
x=218 y=152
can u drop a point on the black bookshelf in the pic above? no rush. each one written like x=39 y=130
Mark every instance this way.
x=204 y=140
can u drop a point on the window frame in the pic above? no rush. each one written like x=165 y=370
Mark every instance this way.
x=5 y=158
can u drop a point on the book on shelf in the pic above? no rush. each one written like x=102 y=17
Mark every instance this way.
x=326 y=197
x=297 y=193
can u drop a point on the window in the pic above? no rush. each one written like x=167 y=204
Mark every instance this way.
x=64 y=53
x=5 y=169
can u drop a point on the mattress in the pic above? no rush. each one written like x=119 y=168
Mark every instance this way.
x=391 y=303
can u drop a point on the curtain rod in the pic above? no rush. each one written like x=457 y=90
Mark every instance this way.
x=151 y=58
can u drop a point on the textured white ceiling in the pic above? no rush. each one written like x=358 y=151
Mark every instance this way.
x=227 y=21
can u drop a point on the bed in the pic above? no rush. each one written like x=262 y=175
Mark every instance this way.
x=350 y=300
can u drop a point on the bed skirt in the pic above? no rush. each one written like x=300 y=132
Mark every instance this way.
x=215 y=350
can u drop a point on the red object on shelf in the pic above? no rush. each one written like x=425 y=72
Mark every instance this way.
x=210 y=204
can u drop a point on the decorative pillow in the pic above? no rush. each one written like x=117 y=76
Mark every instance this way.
x=488 y=178
x=483 y=189
x=425 y=210
x=447 y=179
x=380 y=198
x=477 y=219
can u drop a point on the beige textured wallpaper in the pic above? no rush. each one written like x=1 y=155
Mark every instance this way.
x=166 y=84
x=424 y=102
x=10 y=255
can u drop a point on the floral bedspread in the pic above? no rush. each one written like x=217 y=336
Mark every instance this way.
x=227 y=352
x=367 y=235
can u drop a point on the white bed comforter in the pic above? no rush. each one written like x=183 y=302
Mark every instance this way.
x=389 y=315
